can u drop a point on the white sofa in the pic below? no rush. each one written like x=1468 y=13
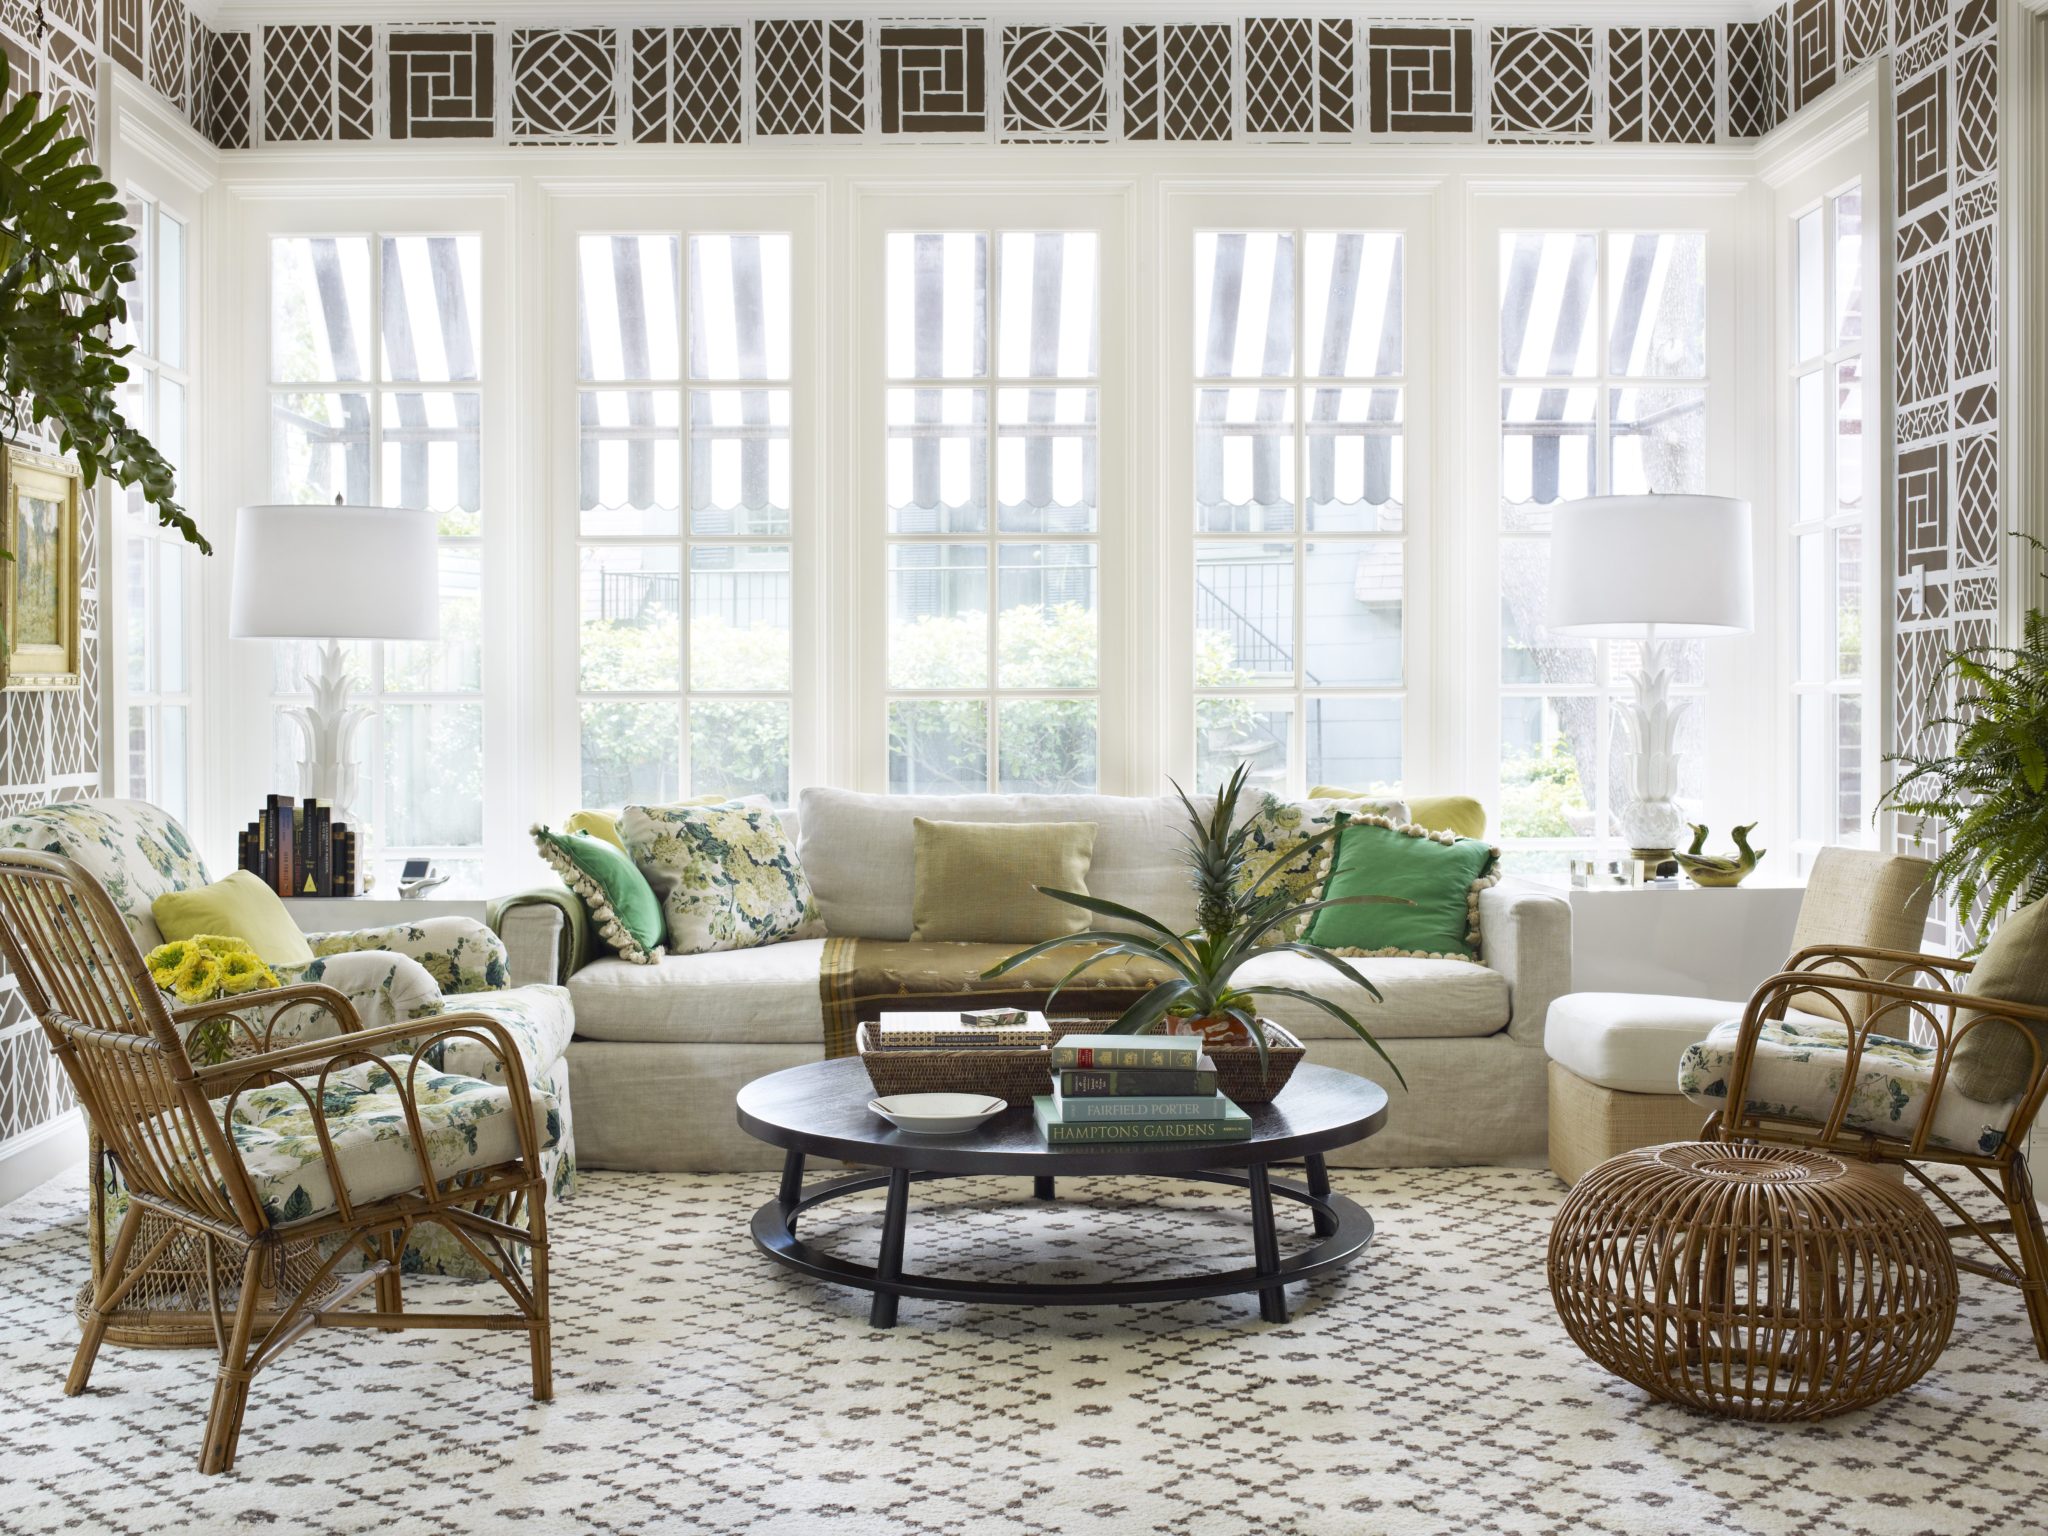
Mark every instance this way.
x=661 y=1050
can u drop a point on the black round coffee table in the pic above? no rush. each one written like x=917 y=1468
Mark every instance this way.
x=820 y=1110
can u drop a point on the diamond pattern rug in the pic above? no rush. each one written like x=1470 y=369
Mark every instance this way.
x=700 y=1388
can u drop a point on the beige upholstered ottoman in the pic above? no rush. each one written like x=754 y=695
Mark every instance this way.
x=1614 y=1073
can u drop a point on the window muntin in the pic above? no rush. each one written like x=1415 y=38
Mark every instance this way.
x=1829 y=521
x=685 y=515
x=1603 y=390
x=389 y=414
x=1300 y=553
x=992 y=567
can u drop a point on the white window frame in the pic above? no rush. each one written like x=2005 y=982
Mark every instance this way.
x=1089 y=205
x=1193 y=208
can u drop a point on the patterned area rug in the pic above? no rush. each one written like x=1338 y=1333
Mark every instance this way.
x=700 y=1388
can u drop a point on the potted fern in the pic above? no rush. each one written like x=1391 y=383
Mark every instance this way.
x=1990 y=789
x=1234 y=919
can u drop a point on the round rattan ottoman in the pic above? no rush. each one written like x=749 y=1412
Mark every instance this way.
x=1760 y=1282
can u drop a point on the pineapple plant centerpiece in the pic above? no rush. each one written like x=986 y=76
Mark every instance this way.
x=1236 y=920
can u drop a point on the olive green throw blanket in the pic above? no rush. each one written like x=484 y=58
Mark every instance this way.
x=861 y=978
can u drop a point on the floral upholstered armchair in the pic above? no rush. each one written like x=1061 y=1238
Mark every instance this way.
x=392 y=975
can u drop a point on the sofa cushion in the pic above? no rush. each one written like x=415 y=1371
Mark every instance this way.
x=756 y=996
x=858 y=851
x=1440 y=999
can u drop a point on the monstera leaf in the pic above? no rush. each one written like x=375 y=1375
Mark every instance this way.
x=64 y=253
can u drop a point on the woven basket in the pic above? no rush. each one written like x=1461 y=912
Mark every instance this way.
x=1017 y=1077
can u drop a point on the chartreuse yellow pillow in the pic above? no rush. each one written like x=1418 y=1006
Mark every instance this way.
x=241 y=905
x=976 y=881
x=1440 y=813
x=604 y=825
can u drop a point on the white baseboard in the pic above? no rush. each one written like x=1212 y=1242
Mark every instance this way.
x=37 y=1156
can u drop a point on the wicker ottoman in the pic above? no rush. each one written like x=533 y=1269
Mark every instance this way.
x=1756 y=1281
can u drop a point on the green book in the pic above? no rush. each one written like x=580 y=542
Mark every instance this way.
x=1235 y=1125
x=1192 y=1106
x=1136 y=1082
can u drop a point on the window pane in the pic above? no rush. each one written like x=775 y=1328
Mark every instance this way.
x=1046 y=460
x=170 y=290
x=1816 y=759
x=938 y=746
x=938 y=461
x=1849 y=267
x=1233 y=731
x=1351 y=596
x=430 y=457
x=169 y=435
x=1815 y=616
x=739 y=461
x=1046 y=747
x=133 y=331
x=1809 y=287
x=138 y=752
x=1549 y=767
x=1547 y=284
x=1244 y=610
x=455 y=662
x=1046 y=594
x=138 y=626
x=1546 y=452
x=1658 y=441
x=170 y=615
x=628 y=289
x=319 y=308
x=937 y=306
x=938 y=616
x=433 y=775
x=630 y=598
x=430 y=286
x=739 y=623
x=740 y=747
x=1046 y=323
x=1244 y=306
x=1355 y=460
x=170 y=785
x=1352 y=285
x=1355 y=743
x=1849 y=436
x=1810 y=426
x=1848 y=602
x=739 y=307
x=320 y=448
x=631 y=463
x=1850 y=826
x=1529 y=652
x=632 y=752
x=1657 y=305
x=1244 y=460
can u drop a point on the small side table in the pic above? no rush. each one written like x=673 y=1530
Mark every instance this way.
x=1683 y=939
x=334 y=914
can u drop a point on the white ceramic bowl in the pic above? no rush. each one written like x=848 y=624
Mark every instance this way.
x=937 y=1114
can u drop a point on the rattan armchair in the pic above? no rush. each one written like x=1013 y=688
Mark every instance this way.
x=374 y=1140
x=1889 y=1023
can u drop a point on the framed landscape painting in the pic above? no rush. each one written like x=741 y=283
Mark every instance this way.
x=39 y=585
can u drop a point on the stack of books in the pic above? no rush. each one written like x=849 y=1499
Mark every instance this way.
x=299 y=850
x=1124 y=1088
x=993 y=1029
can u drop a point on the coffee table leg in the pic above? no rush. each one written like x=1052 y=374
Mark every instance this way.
x=1041 y=1187
x=882 y=1314
x=1266 y=1246
x=791 y=1189
x=1319 y=1186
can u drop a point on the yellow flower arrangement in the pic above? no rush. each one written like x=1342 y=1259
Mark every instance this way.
x=211 y=965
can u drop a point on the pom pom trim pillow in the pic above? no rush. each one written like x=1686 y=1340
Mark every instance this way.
x=1279 y=831
x=622 y=905
x=727 y=876
x=1437 y=875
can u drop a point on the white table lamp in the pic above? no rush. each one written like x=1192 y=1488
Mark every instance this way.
x=333 y=574
x=1651 y=569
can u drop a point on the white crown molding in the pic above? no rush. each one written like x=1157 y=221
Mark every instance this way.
x=1845 y=114
x=145 y=122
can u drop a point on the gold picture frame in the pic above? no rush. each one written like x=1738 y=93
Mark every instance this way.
x=39 y=588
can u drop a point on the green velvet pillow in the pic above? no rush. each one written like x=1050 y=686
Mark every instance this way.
x=1437 y=875
x=241 y=905
x=622 y=904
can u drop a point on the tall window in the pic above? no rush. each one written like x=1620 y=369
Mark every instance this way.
x=1829 y=513
x=155 y=712
x=1603 y=391
x=994 y=546
x=1299 y=507
x=385 y=411
x=685 y=516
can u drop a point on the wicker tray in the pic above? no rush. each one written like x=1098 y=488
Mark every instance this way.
x=1019 y=1076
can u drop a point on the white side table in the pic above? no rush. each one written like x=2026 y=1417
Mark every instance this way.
x=1682 y=939
x=335 y=914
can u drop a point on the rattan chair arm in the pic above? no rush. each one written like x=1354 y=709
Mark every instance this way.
x=294 y=1060
x=280 y=1000
x=1896 y=958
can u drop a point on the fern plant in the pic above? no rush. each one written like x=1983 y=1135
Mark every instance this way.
x=64 y=254
x=1991 y=789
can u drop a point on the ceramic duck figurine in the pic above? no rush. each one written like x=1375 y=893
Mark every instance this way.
x=1714 y=869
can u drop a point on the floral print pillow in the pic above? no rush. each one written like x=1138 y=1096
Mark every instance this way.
x=727 y=876
x=1280 y=835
